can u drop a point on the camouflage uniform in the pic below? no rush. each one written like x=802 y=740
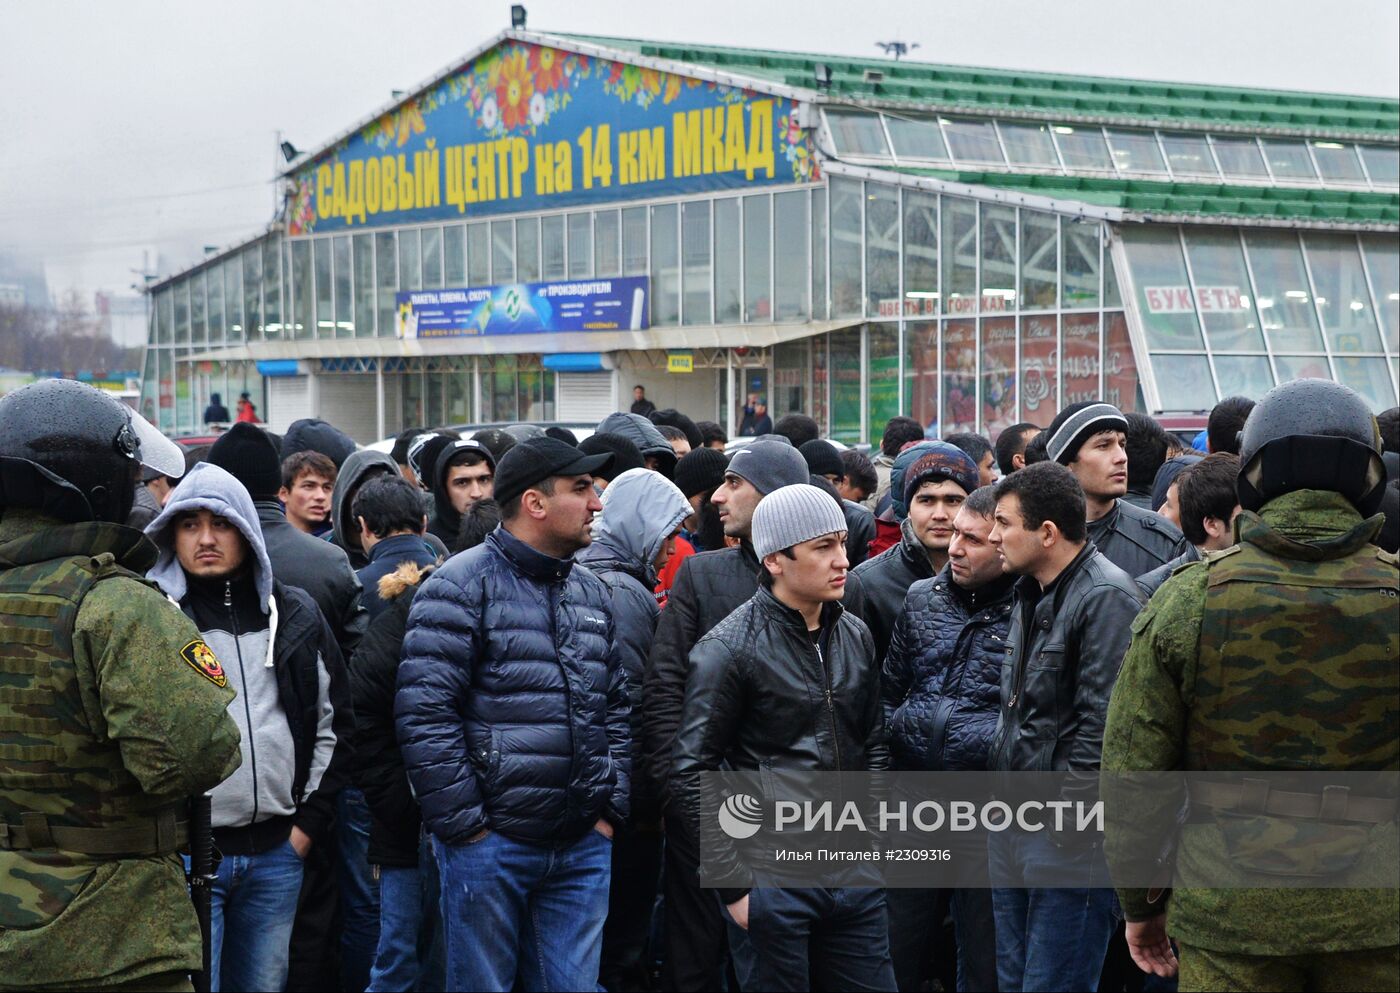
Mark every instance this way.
x=1277 y=654
x=111 y=714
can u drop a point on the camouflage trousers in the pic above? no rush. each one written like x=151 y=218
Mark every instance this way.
x=1364 y=971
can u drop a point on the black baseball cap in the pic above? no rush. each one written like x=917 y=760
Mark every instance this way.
x=537 y=459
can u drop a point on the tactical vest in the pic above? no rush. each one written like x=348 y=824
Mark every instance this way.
x=1297 y=663
x=58 y=771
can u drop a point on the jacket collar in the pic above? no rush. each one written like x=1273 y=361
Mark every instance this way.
x=1028 y=589
x=27 y=536
x=529 y=561
x=1308 y=525
x=399 y=544
x=793 y=619
x=271 y=512
x=913 y=550
x=605 y=553
x=995 y=592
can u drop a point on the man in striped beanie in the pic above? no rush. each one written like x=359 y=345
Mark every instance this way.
x=1090 y=438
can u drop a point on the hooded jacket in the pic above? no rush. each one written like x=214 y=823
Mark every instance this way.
x=642 y=433
x=293 y=706
x=345 y=530
x=512 y=709
x=379 y=769
x=641 y=510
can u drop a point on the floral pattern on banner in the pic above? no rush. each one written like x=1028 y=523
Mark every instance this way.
x=301 y=215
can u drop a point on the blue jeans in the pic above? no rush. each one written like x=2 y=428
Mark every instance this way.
x=410 y=954
x=821 y=938
x=359 y=891
x=1048 y=938
x=514 y=907
x=254 y=903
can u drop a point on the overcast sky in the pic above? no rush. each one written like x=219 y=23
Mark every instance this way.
x=131 y=126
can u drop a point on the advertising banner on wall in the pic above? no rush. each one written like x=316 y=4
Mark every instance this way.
x=526 y=127
x=615 y=304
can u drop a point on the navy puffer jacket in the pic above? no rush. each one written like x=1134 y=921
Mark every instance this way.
x=512 y=709
x=942 y=675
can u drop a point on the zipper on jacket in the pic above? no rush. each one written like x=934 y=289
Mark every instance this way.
x=247 y=710
x=830 y=705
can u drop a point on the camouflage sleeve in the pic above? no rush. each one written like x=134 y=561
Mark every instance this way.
x=1146 y=728
x=159 y=691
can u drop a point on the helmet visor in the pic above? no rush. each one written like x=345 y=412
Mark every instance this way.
x=151 y=448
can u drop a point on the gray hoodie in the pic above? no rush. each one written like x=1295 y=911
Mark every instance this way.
x=262 y=786
x=641 y=509
x=642 y=433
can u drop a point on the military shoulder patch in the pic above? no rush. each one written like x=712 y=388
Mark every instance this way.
x=203 y=660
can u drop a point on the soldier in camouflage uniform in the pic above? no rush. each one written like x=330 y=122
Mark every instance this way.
x=1278 y=654
x=112 y=710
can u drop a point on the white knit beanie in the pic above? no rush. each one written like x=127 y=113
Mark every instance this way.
x=793 y=514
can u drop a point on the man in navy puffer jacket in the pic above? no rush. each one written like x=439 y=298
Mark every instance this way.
x=512 y=716
x=941 y=687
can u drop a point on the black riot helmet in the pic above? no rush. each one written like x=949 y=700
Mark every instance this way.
x=73 y=451
x=1311 y=434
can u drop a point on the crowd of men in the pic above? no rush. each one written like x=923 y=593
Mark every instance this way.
x=454 y=704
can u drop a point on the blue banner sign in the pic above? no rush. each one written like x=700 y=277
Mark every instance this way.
x=617 y=303
x=526 y=127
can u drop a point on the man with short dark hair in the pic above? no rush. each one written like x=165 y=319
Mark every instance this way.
x=899 y=431
x=1146 y=443
x=464 y=475
x=680 y=444
x=1068 y=631
x=941 y=687
x=389 y=513
x=1035 y=449
x=1091 y=440
x=979 y=449
x=1207 y=503
x=712 y=435
x=1011 y=446
x=859 y=480
x=797 y=428
x=640 y=403
x=1226 y=422
x=512 y=717
x=308 y=478
x=788 y=682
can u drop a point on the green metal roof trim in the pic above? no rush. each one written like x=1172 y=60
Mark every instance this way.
x=1043 y=95
x=1142 y=196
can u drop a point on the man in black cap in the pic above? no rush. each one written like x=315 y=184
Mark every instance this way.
x=625 y=455
x=512 y=715
x=1090 y=438
x=825 y=461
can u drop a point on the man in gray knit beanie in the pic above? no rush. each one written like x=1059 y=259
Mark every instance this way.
x=791 y=515
x=750 y=706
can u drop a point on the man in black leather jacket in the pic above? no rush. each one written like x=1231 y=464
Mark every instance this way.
x=1069 y=630
x=749 y=705
x=707 y=588
x=1091 y=439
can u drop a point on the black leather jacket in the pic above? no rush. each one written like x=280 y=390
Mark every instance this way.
x=708 y=587
x=1063 y=651
x=763 y=694
x=1136 y=540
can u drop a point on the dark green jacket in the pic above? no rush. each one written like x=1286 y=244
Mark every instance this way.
x=1279 y=654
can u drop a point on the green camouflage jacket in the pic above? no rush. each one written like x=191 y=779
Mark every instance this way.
x=111 y=709
x=1293 y=667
